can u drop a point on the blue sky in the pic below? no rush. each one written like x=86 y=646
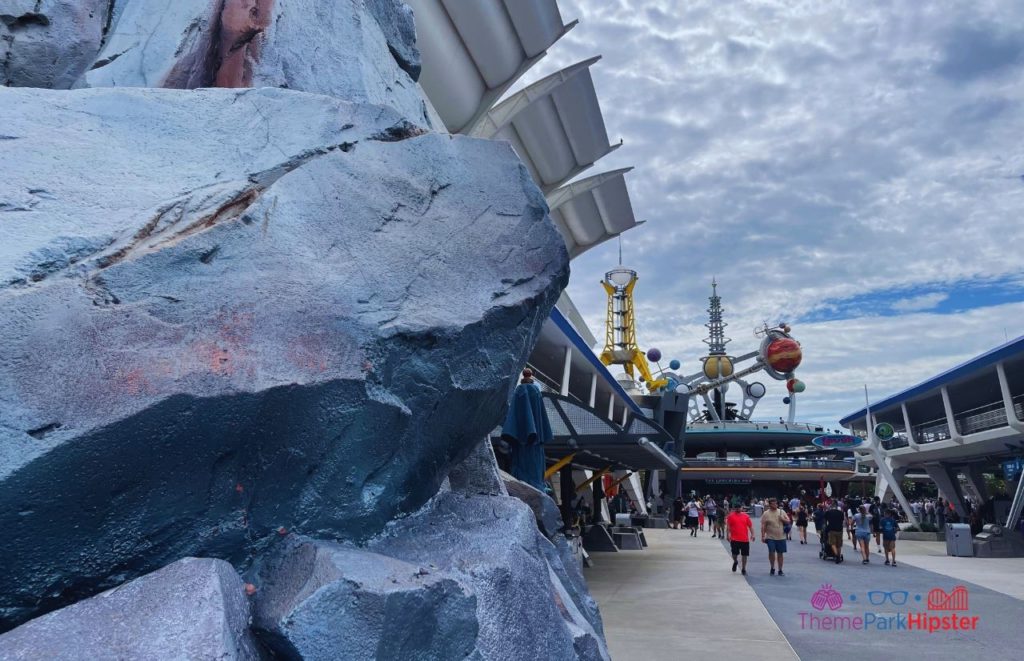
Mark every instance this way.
x=855 y=168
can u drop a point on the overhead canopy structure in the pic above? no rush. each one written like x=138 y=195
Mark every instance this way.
x=555 y=125
x=473 y=51
x=596 y=442
x=590 y=211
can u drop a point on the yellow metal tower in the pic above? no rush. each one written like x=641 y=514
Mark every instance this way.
x=620 y=347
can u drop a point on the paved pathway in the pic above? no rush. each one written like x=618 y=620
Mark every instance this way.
x=788 y=600
x=678 y=600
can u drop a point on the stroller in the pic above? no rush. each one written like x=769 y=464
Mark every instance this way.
x=825 y=553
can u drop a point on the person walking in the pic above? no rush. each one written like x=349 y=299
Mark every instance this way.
x=677 y=512
x=851 y=509
x=875 y=510
x=739 y=530
x=835 y=522
x=819 y=521
x=862 y=530
x=801 y=522
x=889 y=527
x=692 y=512
x=773 y=533
x=720 y=521
x=710 y=511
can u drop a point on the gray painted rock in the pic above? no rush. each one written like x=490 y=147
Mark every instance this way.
x=565 y=565
x=478 y=473
x=195 y=608
x=397 y=22
x=549 y=519
x=49 y=43
x=333 y=48
x=321 y=600
x=219 y=324
x=492 y=545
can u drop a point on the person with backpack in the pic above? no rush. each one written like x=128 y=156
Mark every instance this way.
x=889 y=527
x=862 y=530
x=875 y=510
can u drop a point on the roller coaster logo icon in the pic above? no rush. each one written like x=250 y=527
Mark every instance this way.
x=939 y=600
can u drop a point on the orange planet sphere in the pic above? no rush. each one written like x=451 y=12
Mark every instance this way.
x=783 y=355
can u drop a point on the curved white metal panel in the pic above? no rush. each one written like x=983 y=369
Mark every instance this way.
x=558 y=120
x=449 y=76
x=592 y=210
x=539 y=27
x=580 y=112
x=474 y=50
x=489 y=36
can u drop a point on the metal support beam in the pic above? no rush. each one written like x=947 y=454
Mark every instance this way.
x=586 y=483
x=558 y=465
x=566 y=372
x=954 y=433
x=593 y=390
x=945 y=479
x=874 y=447
x=882 y=486
x=611 y=407
x=568 y=494
x=621 y=479
x=909 y=430
x=1004 y=388
x=1018 y=503
x=976 y=480
x=625 y=416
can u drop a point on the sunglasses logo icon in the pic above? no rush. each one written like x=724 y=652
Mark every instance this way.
x=879 y=597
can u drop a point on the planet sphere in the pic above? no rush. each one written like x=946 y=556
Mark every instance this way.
x=654 y=354
x=783 y=355
x=716 y=367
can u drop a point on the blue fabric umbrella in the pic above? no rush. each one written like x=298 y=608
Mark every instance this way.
x=527 y=429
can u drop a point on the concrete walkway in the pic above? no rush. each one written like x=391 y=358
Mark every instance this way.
x=1005 y=575
x=678 y=599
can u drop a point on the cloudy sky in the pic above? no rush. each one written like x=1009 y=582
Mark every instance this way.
x=854 y=168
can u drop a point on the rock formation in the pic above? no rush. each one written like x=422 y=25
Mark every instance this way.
x=153 y=617
x=266 y=325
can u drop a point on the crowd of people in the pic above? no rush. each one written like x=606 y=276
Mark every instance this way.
x=861 y=521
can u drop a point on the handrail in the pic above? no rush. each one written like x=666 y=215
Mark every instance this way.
x=769 y=463
x=767 y=425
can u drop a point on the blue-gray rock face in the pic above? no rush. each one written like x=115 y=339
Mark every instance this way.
x=192 y=609
x=363 y=51
x=220 y=323
x=319 y=600
x=492 y=545
x=49 y=43
x=549 y=519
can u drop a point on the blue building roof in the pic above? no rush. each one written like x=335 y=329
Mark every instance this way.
x=577 y=340
x=1012 y=348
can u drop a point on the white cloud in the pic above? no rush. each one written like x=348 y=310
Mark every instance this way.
x=918 y=303
x=811 y=152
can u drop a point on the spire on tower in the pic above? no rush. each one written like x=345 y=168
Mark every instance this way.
x=716 y=339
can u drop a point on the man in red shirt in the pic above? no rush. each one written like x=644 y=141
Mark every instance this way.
x=739 y=530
